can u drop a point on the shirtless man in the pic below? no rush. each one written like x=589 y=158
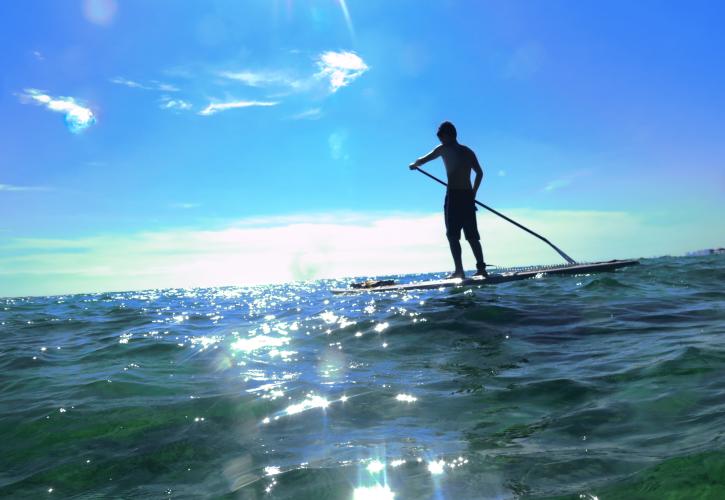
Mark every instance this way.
x=459 y=208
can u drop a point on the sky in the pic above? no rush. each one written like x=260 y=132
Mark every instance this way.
x=206 y=143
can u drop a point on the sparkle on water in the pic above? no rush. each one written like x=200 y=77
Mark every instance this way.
x=532 y=389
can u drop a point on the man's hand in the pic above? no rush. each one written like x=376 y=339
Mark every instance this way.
x=413 y=165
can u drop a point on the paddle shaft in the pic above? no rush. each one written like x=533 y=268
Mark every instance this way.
x=558 y=250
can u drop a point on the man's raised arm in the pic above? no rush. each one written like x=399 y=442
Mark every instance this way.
x=425 y=159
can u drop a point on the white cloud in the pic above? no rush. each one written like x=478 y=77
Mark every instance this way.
x=309 y=114
x=334 y=69
x=38 y=55
x=340 y=68
x=280 y=249
x=224 y=106
x=12 y=188
x=165 y=87
x=154 y=85
x=77 y=117
x=557 y=184
x=128 y=83
x=566 y=180
x=263 y=79
x=175 y=104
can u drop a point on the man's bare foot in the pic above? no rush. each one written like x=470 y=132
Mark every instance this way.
x=481 y=273
x=456 y=275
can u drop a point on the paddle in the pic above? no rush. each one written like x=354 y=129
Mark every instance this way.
x=558 y=250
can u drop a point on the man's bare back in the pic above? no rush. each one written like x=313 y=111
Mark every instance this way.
x=459 y=160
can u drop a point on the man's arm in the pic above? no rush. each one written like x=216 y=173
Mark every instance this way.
x=425 y=159
x=479 y=173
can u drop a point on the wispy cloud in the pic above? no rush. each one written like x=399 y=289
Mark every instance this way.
x=557 y=184
x=153 y=85
x=216 y=107
x=38 y=55
x=334 y=71
x=340 y=68
x=77 y=117
x=13 y=188
x=174 y=104
x=566 y=180
x=128 y=83
x=185 y=206
x=263 y=79
x=337 y=69
x=309 y=114
x=165 y=87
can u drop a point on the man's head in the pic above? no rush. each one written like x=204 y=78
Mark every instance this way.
x=447 y=133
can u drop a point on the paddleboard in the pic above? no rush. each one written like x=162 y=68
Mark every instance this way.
x=502 y=276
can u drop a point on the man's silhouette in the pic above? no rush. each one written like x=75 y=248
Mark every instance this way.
x=459 y=208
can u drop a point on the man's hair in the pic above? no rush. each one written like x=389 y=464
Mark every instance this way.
x=447 y=129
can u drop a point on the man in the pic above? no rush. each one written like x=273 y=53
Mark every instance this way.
x=459 y=207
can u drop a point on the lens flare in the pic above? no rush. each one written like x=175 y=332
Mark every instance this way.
x=346 y=14
x=100 y=12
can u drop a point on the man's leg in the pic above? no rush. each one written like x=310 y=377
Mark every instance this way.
x=455 y=245
x=470 y=230
x=453 y=233
x=478 y=253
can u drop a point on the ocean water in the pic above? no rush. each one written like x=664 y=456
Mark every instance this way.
x=595 y=386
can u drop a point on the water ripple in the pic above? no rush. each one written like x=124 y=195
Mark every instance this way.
x=574 y=386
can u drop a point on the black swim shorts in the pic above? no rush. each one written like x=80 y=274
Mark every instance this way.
x=460 y=213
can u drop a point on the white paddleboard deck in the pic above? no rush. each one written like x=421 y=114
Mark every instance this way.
x=493 y=278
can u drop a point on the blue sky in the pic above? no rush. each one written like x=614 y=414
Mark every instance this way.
x=129 y=123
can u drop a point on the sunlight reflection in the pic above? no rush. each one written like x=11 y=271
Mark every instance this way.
x=328 y=317
x=258 y=342
x=375 y=466
x=308 y=404
x=436 y=467
x=272 y=470
x=312 y=401
x=205 y=342
x=407 y=398
x=377 y=492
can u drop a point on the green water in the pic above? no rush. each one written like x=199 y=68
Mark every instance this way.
x=609 y=386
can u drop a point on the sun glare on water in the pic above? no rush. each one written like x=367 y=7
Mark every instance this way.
x=377 y=492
